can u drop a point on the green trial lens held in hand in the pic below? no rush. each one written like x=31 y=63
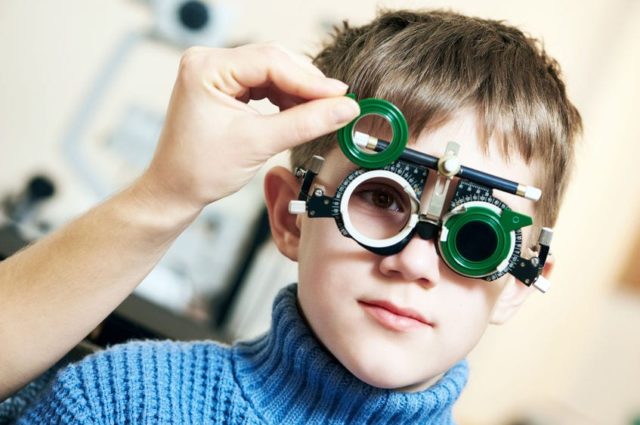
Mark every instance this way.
x=398 y=123
x=379 y=206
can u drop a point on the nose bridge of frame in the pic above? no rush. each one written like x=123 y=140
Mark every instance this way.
x=435 y=194
x=422 y=252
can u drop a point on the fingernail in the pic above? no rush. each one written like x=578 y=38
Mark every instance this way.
x=345 y=111
x=337 y=85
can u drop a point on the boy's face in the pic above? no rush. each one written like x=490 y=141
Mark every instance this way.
x=360 y=305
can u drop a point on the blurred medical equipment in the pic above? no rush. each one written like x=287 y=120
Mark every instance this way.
x=20 y=218
x=191 y=22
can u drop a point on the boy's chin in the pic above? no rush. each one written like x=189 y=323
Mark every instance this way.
x=390 y=378
x=396 y=384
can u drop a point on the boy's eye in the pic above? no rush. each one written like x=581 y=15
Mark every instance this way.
x=379 y=208
x=381 y=198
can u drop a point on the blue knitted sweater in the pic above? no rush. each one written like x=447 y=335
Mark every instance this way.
x=284 y=377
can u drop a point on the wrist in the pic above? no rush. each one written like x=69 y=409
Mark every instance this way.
x=159 y=208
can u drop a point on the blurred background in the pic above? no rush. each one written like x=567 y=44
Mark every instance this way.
x=83 y=90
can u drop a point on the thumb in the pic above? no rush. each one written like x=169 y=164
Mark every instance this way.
x=307 y=121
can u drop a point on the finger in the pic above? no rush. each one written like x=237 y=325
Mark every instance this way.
x=260 y=66
x=305 y=122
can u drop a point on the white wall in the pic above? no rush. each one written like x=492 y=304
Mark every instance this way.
x=52 y=51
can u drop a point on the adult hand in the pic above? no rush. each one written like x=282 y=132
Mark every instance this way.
x=213 y=142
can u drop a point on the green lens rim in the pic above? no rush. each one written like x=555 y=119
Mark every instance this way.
x=461 y=264
x=386 y=109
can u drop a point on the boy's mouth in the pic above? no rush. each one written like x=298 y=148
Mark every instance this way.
x=393 y=317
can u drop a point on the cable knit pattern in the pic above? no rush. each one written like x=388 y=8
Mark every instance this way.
x=283 y=377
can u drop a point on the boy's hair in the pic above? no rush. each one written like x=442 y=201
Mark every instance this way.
x=433 y=63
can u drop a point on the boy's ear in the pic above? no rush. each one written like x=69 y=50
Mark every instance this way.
x=280 y=187
x=514 y=295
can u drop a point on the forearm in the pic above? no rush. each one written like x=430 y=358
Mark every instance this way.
x=56 y=291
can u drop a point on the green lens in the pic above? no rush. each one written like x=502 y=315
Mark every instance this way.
x=475 y=243
x=398 y=124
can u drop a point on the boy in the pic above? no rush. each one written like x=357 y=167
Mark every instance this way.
x=363 y=337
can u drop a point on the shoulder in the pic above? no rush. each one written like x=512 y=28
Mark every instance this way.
x=154 y=367
x=136 y=380
x=148 y=359
x=151 y=350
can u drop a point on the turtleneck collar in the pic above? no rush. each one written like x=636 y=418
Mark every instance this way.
x=290 y=377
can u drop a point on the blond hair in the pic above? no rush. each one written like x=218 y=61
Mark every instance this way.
x=433 y=63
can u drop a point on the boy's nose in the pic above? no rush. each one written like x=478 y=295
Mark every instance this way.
x=418 y=262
